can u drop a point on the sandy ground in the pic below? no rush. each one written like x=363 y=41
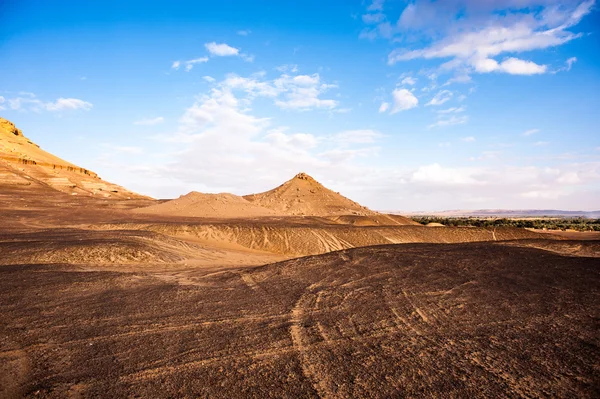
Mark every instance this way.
x=572 y=235
x=98 y=300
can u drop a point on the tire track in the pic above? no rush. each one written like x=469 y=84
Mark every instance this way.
x=300 y=344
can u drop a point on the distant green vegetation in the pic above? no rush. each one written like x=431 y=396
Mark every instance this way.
x=579 y=224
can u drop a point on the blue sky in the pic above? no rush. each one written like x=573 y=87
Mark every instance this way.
x=400 y=105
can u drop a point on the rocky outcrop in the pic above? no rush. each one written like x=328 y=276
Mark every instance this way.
x=10 y=127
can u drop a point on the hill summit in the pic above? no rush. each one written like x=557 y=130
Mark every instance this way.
x=303 y=195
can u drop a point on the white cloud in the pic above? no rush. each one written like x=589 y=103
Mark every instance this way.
x=452 y=110
x=209 y=79
x=291 y=68
x=468 y=139
x=294 y=92
x=376 y=5
x=409 y=81
x=215 y=50
x=302 y=92
x=221 y=50
x=440 y=98
x=471 y=34
x=252 y=86
x=403 y=100
x=64 y=104
x=2 y=101
x=450 y=121
x=484 y=65
x=530 y=132
x=384 y=107
x=150 y=121
x=568 y=65
x=541 y=143
x=29 y=101
x=373 y=18
x=461 y=77
x=438 y=175
x=189 y=64
x=298 y=140
x=369 y=34
x=20 y=103
x=244 y=32
x=219 y=137
x=515 y=66
x=221 y=146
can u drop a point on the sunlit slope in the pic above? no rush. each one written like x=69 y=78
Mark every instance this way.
x=24 y=163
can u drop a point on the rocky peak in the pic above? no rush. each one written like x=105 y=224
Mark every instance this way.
x=9 y=127
x=303 y=176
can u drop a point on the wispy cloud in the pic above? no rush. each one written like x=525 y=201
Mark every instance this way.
x=29 y=101
x=440 y=98
x=215 y=50
x=450 y=121
x=530 y=132
x=150 y=121
x=410 y=81
x=63 y=104
x=453 y=110
x=189 y=64
x=568 y=65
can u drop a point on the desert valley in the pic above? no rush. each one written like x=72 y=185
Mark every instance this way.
x=294 y=292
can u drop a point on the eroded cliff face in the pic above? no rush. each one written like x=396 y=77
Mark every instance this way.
x=24 y=163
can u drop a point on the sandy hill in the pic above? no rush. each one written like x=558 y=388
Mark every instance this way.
x=197 y=204
x=303 y=195
x=24 y=163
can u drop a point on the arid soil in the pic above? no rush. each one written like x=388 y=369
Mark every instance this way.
x=417 y=320
x=99 y=299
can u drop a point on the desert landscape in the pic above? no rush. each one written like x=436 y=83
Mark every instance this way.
x=294 y=292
